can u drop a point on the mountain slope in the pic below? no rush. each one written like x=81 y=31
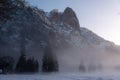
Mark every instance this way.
x=59 y=30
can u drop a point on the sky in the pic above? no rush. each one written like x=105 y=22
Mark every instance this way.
x=100 y=16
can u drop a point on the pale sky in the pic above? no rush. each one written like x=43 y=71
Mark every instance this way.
x=100 y=16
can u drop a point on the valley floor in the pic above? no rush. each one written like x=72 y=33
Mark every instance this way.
x=61 y=76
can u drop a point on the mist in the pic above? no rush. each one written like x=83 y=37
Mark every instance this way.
x=93 y=60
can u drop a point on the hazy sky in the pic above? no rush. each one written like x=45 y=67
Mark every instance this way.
x=100 y=16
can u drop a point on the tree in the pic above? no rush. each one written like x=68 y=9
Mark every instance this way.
x=82 y=67
x=20 y=67
x=36 y=66
x=49 y=62
x=26 y=65
x=32 y=65
x=6 y=64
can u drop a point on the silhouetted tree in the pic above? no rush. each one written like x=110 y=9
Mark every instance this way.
x=26 y=65
x=21 y=64
x=20 y=67
x=32 y=65
x=36 y=66
x=6 y=64
x=50 y=63
x=82 y=67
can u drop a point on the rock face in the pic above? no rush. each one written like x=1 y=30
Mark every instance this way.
x=60 y=30
x=69 y=17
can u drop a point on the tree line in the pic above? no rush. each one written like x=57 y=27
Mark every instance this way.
x=23 y=65
x=30 y=65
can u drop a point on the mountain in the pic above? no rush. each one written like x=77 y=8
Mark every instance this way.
x=37 y=29
x=99 y=42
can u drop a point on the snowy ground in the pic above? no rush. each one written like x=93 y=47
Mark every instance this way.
x=61 y=77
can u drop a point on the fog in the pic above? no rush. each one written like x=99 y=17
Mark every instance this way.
x=91 y=59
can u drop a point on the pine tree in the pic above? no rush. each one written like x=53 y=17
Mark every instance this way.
x=27 y=65
x=32 y=65
x=6 y=64
x=50 y=63
x=20 y=67
x=36 y=66
x=82 y=67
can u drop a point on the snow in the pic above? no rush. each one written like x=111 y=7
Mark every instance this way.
x=91 y=36
x=54 y=76
x=96 y=40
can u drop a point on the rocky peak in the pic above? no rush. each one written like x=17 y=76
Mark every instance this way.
x=70 y=11
x=70 y=18
x=67 y=18
x=55 y=16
